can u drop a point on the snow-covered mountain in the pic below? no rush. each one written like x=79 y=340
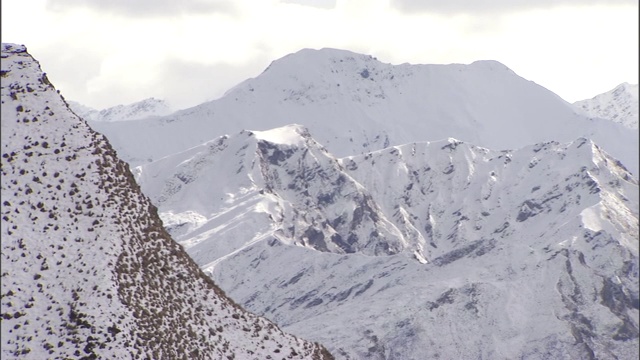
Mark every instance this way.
x=619 y=105
x=277 y=183
x=354 y=104
x=146 y=108
x=425 y=250
x=431 y=249
x=87 y=269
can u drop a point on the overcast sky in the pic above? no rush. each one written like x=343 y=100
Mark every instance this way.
x=108 y=52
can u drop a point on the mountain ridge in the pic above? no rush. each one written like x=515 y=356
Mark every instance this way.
x=480 y=225
x=484 y=103
x=87 y=267
x=428 y=249
x=150 y=107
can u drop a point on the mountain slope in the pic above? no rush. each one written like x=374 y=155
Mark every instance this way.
x=619 y=105
x=507 y=254
x=87 y=269
x=279 y=183
x=354 y=104
x=516 y=267
x=472 y=192
x=150 y=107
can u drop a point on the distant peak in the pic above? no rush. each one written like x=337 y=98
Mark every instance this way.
x=152 y=99
x=133 y=111
x=629 y=88
x=308 y=57
x=328 y=52
x=626 y=85
x=489 y=65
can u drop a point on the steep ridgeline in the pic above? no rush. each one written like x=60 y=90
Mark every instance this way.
x=232 y=192
x=354 y=104
x=87 y=269
x=452 y=194
x=531 y=253
x=150 y=107
x=619 y=105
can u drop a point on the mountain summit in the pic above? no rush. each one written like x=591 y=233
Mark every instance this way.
x=354 y=104
x=619 y=105
x=87 y=269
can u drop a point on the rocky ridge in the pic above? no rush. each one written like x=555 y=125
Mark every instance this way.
x=87 y=269
x=538 y=244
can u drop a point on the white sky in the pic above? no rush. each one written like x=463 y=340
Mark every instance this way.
x=104 y=53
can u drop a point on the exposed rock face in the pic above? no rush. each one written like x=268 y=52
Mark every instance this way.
x=454 y=244
x=528 y=253
x=87 y=269
x=293 y=190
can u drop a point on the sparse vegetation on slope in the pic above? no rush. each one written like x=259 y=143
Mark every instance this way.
x=87 y=269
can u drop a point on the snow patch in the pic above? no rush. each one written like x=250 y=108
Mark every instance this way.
x=591 y=218
x=286 y=135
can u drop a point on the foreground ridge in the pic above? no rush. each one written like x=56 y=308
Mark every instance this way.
x=87 y=268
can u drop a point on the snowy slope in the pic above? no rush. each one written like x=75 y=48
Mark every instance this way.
x=506 y=254
x=277 y=183
x=619 y=105
x=353 y=104
x=146 y=108
x=87 y=269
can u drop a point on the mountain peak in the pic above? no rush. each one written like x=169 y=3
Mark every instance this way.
x=490 y=65
x=631 y=89
x=287 y=135
x=619 y=105
x=314 y=60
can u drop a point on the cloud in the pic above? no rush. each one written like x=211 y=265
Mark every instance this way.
x=184 y=83
x=146 y=8
x=101 y=54
x=321 y=4
x=451 y=7
x=68 y=70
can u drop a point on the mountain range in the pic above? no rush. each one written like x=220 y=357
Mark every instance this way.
x=385 y=211
x=354 y=104
x=150 y=107
x=444 y=243
x=412 y=251
x=88 y=270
